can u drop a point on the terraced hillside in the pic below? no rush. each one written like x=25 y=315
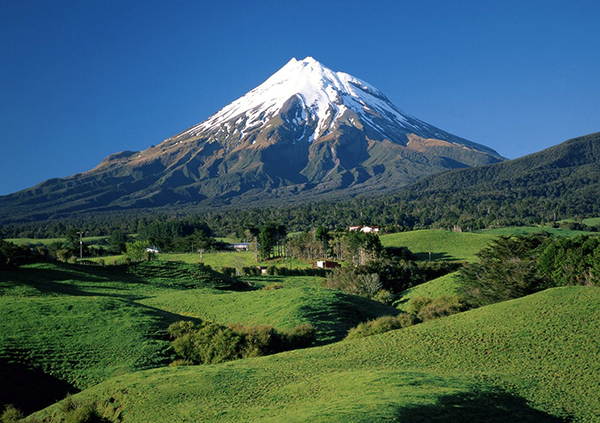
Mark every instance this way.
x=534 y=359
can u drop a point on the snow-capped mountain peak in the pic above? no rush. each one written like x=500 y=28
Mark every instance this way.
x=306 y=132
x=324 y=97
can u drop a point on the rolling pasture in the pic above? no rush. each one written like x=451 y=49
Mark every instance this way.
x=66 y=327
x=443 y=245
x=529 y=360
x=102 y=331
x=442 y=286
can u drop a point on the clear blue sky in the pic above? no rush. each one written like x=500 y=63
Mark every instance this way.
x=80 y=80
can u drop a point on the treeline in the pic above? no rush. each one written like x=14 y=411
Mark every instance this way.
x=562 y=182
x=465 y=209
x=512 y=267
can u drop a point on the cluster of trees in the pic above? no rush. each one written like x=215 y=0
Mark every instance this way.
x=12 y=255
x=208 y=342
x=512 y=267
x=380 y=274
x=187 y=235
x=320 y=243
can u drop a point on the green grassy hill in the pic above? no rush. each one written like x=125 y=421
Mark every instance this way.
x=442 y=286
x=331 y=312
x=66 y=327
x=444 y=245
x=534 y=359
x=526 y=230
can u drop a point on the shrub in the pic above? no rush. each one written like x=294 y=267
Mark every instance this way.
x=214 y=343
x=76 y=412
x=384 y=297
x=439 y=307
x=381 y=325
x=250 y=271
x=211 y=343
x=301 y=336
x=416 y=304
x=258 y=340
x=229 y=271
x=11 y=414
x=181 y=328
x=101 y=262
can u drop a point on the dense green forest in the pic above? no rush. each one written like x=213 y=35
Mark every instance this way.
x=558 y=183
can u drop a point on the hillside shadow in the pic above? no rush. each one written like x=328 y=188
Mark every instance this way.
x=424 y=256
x=476 y=407
x=334 y=322
x=30 y=389
x=63 y=279
x=55 y=281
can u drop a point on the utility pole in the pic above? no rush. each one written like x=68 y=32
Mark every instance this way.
x=80 y=245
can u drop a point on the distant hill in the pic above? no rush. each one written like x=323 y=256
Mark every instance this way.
x=563 y=180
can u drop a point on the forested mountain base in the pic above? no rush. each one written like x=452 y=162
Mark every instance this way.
x=558 y=183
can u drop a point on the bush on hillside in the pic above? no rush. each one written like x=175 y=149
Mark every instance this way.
x=381 y=325
x=211 y=342
x=250 y=271
x=300 y=336
x=11 y=414
x=570 y=261
x=229 y=271
x=513 y=267
x=75 y=411
x=183 y=327
x=429 y=309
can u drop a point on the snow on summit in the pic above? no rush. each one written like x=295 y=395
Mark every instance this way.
x=324 y=94
x=307 y=101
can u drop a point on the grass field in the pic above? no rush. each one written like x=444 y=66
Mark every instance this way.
x=592 y=221
x=237 y=259
x=66 y=327
x=217 y=260
x=533 y=359
x=443 y=286
x=48 y=241
x=526 y=230
x=460 y=246
x=443 y=245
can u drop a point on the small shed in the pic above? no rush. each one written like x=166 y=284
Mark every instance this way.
x=326 y=264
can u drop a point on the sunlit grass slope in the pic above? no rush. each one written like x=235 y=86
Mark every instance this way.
x=443 y=286
x=66 y=327
x=445 y=245
x=533 y=359
x=331 y=312
x=526 y=230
